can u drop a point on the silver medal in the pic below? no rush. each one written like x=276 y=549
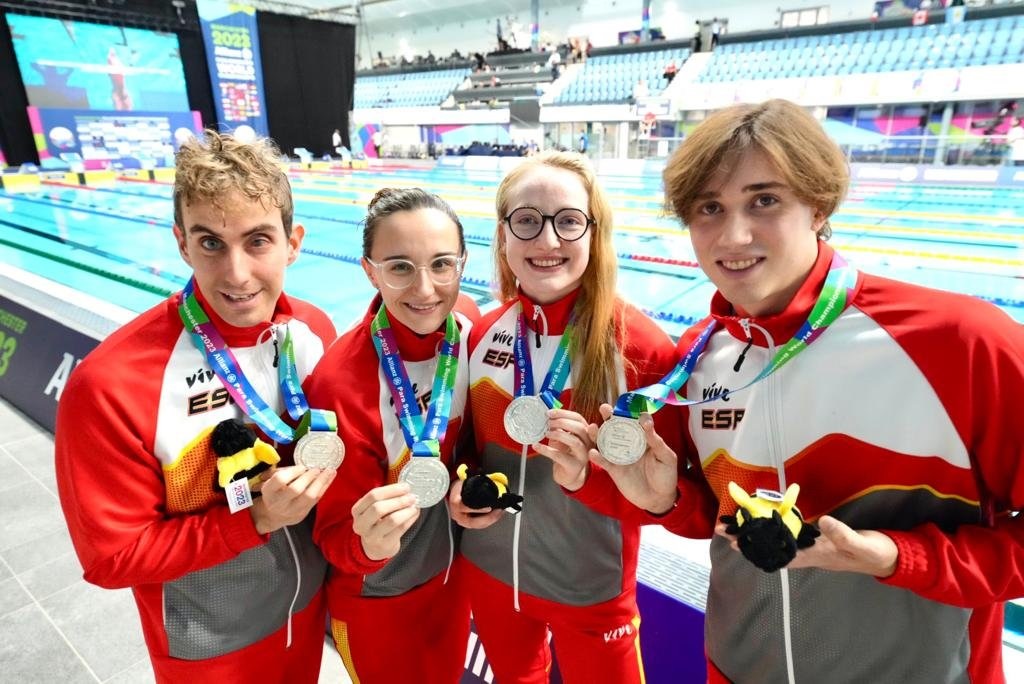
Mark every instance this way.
x=428 y=479
x=621 y=440
x=320 y=449
x=526 y=420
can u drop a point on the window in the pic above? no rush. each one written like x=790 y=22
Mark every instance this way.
x=808 y=16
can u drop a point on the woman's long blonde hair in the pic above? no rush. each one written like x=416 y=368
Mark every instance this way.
x=594 y=351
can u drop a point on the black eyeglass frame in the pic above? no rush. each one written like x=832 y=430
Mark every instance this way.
x=544 y=218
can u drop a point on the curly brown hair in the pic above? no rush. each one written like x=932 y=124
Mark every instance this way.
x=211 y=169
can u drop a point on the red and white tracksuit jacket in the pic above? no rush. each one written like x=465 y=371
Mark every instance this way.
x=136 y=475
x=403 y=618
x=576 y=564
x=902 y=417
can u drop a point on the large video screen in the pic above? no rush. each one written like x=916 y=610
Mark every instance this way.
x=77 y=65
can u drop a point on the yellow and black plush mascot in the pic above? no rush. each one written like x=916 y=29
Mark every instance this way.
x=490 y=490
x=768 y=526
x=240 y=453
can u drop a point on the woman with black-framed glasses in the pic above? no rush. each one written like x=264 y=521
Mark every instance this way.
x=398 y=382
x=560 y=344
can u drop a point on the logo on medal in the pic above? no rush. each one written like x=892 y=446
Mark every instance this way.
x=320 y=449
x=427 y=478
x=526 y=419
x=621 y=440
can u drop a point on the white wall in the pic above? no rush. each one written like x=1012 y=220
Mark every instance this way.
x=604 y=20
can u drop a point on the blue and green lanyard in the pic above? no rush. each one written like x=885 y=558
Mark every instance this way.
x=422 y=435
x=226 y=367
x=558 y=373
x=833 y=299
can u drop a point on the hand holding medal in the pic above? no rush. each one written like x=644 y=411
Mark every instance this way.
x=380 y=518
x=425 y=473
x=568 y=445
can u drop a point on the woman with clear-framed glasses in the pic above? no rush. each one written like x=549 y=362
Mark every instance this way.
x=560 y=344
x=398 y=382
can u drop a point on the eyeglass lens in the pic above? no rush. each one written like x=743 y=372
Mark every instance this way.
x=527 y=223
x=401 y=273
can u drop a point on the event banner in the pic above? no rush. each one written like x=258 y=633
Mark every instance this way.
x=233 y=58
x=100 y=139
x=37 y=354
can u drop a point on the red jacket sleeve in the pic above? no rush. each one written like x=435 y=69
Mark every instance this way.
x=340 y=383
x=112 y=490
x=979 y=376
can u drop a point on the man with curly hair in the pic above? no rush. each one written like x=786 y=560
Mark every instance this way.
x=227 y=580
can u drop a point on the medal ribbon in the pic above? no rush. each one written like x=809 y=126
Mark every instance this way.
x=423 y=437
x=317 y=420
x=834 y=296
x=557 y=374
x=224 y=364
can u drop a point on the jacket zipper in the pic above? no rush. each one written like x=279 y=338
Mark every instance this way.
x=745 y=324
x=774 y=440
x=538 y=313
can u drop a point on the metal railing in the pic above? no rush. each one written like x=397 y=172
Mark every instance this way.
x=900 y=149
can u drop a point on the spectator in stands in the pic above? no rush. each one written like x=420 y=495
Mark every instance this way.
x=909 y=453
x=698 y=37
x=145 y=502
x=381 y=62
x=1015 y=140
x=480 y=62
x=670 y=72
x=584 y=141
x=431 y=59
x=716 y=30
x=576 y=50
x=336 y=139
x=555 y=64
x=556 y=565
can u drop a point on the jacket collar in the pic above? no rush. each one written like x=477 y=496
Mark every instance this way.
x=783 y=325
x=411 y=345
x=548 y=319
x=249 y=336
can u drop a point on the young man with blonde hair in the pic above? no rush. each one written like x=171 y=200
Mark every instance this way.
x=225 y=593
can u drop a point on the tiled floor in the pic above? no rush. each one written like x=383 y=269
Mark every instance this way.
x=54 y=627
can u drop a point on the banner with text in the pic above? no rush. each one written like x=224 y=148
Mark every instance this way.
x=233 y=58
x=37 y=355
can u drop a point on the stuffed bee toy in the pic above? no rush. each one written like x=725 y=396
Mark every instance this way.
x=240 y=453
x=768 y=526
x=480 y=490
